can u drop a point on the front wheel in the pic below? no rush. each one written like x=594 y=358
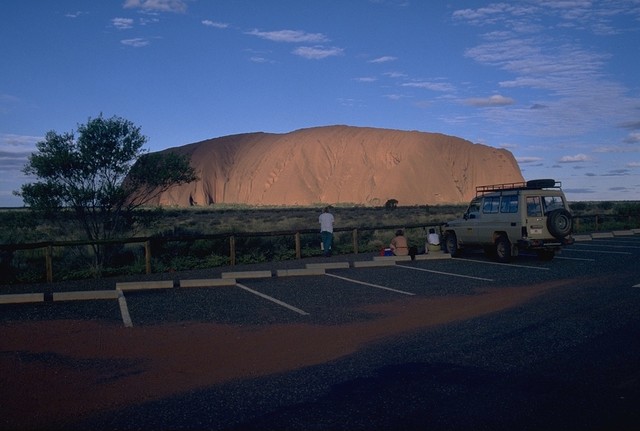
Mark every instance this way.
x=451 y=242
x=503 y=249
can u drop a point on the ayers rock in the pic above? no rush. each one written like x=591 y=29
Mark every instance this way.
x=339 y=164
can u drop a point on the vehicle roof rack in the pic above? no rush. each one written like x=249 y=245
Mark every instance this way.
x=523 y=185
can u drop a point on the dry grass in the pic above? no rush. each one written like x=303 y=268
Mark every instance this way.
x=213 y=221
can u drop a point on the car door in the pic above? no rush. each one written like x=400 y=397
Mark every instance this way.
x=535 y=220
x=489 y=220
x=467 y=234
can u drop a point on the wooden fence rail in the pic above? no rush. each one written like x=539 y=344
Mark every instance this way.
x=47 y=247
x=592 y=223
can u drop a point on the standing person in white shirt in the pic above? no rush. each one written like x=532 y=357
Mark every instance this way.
x=326 y=230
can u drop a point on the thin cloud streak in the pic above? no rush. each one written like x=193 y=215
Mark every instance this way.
x=176 y=6
x=317 y=52
x=289 y=36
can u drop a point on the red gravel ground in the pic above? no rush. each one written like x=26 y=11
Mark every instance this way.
x=153 y=362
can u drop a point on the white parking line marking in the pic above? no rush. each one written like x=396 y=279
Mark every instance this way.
x=444 y=273
x=637 y=285
x=575 y=258
x=505 y=264
x=269 y=298
x=124 y=310
x=377 y=286
x=595 y=251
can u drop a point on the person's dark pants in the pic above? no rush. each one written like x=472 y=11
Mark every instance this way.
x=327 y=239
x=413 y=250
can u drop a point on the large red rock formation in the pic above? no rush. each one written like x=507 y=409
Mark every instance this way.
x=340 y=164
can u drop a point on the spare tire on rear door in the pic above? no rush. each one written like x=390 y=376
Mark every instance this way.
x=559 y=223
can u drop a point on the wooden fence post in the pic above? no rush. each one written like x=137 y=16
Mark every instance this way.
x=297 y=239
x=147 y=256
x=232 y=250
x=48 y=257
x=355 y=241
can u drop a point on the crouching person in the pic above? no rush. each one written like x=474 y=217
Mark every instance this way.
x=400 y=247
x=433 y=241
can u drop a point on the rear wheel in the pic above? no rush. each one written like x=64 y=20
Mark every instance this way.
x=503 y=249
x=452 y=244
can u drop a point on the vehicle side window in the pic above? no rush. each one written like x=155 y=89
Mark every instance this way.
x=534 y=207
x=552 y=203
x=509 y=204
x=491 y=205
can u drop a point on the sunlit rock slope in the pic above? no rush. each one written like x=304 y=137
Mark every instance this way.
x=340 y=164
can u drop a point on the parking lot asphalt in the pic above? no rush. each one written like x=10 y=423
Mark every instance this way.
x=429 y=344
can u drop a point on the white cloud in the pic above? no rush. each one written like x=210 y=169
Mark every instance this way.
x=14 y=154
x=290 y=36
x=578 y=158
x=215 y=24
x=366 y=79
x=21 y=142
x=384 y=59
x=588 y=15
x=493 y=13
x=122 y=23
x=395 y=74
x=136 y=42
x=430 y=85
x=616 y=149
x=495 y=100
x=567 y=78
x=633 y=138
x=317 y=52
x=633 y=165
x=394 y=96
x=157 y=5
x=259 y=59
x=529 y=159
x=75 y=14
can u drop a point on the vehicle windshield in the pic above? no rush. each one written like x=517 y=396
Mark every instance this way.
x=474 y=207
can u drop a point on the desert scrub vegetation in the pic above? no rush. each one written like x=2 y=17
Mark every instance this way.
x=176 y=238
x=198 y=237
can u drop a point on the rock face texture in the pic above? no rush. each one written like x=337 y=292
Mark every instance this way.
x=340 y=164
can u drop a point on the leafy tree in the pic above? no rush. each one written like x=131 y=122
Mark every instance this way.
x=101 y=177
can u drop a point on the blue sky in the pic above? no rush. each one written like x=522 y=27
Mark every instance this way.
x=556 y=82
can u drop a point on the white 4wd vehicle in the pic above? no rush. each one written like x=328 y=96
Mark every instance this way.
x=506 y=218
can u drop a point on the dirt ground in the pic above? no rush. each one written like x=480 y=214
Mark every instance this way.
x=57 y=372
